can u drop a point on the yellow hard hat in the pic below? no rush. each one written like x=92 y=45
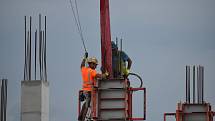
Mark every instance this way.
x=92 y=60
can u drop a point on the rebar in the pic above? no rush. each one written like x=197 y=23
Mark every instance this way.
x=194 y=85
x=3 y=113
x=39 y=55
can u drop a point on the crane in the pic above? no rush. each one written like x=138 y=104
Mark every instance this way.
x=112 y=100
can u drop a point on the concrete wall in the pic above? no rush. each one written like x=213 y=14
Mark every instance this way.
x=35 y=100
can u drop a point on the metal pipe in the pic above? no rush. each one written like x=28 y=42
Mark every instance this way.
x=194 y=89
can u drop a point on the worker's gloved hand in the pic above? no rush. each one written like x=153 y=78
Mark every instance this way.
x=106 y=74
x=86 y=55
x=127 y=71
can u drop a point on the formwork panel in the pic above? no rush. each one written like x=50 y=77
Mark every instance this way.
x=112 y=93
x=195 y=112
x=109 y=114
x=195 y=117
x=112 y=84
x=112 y=104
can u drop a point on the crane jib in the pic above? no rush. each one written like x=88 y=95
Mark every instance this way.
x=106 y=50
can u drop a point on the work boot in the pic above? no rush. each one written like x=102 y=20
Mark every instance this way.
x=79 y=118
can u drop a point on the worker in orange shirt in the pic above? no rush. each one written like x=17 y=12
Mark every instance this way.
x=89 y=76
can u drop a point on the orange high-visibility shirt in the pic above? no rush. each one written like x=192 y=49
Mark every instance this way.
x=88 y=77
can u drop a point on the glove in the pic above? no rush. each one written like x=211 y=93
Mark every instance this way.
x=127 y=71
x=86 y=55
x=106 y=74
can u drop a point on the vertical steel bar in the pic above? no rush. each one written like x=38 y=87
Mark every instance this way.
x=41 y=55
x=30 y=51
x=186 y=84
x=144 y=103
x=120 y=56
x=194 y=89
x=35 y=59
x=189 y=84
x=5 y=101
x=117 y=41
x=45 y=53
x=198 y=85
x=1 y=113
x=40 y=44
x=43 y=43
x=202 y=84
x=25 y=52
x=28 y=37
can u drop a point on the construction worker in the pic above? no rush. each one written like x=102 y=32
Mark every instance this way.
x=89 y=76
x=119 y=61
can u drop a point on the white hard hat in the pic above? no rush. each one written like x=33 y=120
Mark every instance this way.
x=92 y=60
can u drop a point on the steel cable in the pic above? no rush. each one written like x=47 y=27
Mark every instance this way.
x=77 y=22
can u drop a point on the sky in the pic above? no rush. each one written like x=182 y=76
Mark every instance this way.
x=160 y=36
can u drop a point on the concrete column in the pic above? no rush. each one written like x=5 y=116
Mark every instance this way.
x=35 y=100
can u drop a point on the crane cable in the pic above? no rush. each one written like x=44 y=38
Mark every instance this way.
x=77 y=22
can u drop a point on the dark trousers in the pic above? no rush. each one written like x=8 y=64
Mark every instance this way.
x=85 y=106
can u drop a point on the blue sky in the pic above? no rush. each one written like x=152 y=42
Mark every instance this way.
x=161 y=37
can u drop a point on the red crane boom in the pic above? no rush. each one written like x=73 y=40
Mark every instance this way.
x=106 y=55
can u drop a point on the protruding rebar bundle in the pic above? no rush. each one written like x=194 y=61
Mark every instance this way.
x=200 y=84
x=39 y=52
